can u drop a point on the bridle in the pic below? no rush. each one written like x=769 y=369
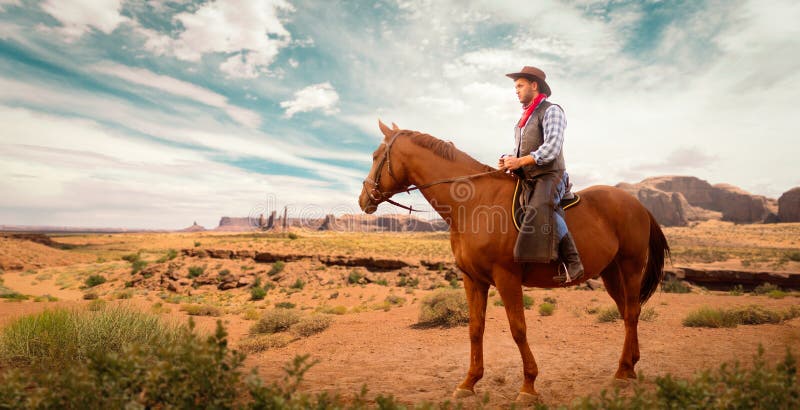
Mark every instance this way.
x=378 y=196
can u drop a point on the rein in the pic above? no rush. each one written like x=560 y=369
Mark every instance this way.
x=379 y=196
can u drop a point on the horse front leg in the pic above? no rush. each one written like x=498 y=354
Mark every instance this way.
x=477 y=293
x=509 y=286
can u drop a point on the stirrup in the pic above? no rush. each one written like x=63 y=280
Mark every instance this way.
x=562 y=277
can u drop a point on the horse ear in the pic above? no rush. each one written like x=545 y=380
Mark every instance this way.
x=385 y=130
x=395 y=127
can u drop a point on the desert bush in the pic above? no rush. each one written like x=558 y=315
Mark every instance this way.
x=257 y=293
x=673 y=285
x=292 y=236
x=311 y=325
x=89 y=296
x=444 y=308
x=793 y=256
x=333 y=310
x=262 y=342
x=201 y=310
x=94 y=280
x=195 y=271
x=765 y=288
x=138 y=265
x=747 y=315
x=224 y=272
x=731 y=386
x=285 y=305
x=354 y=277
x=776 y=294
x=737 y=290
x=45 y=298
x=298 y=284
x=551 y=300
x=395 y=300
x=498 y=302
x=132 y=257
x=8 y=294
x=275 y=321
x=648 y=314
x=124 y=294
x=171 y=254
x=61 y=335
x=277 y=268
x=609 y=314
x=546 y=309
x=527 y=301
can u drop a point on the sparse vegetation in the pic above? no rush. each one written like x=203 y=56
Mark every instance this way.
x=298 y=284
x=354 y=277
x=737 y=290
x=277 y=268
x=257 y=293
x=285 y=305
x=444 y=308
x=311 y=325
x=275 y=321
x=527 y=301
x=674 y=285
x=201 y=310
x=546 y=309
x=63 y=335
x=95 y=280
x=333 y=310
x=195 y=271
x=262 y=342
x=765 y=288
x=748 y=315
x=609 y=314
x=171 y=254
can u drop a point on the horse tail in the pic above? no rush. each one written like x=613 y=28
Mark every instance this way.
x=654 y=271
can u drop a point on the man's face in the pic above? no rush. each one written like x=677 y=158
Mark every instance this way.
x=526 y=90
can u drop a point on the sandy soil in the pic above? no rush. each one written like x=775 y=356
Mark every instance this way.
x=383 y=350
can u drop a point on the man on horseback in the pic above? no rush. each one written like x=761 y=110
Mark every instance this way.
x=538 y=160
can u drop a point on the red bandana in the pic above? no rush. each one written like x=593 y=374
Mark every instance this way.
x=529 y=109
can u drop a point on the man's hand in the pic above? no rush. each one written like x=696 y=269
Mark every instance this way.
x=512 y=163
x=501 y=163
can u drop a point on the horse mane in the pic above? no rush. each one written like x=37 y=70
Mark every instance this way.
x=443 y=149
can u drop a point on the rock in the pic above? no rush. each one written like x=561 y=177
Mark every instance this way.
x=245 y=254
x=220 y=253
x=228 y=282
x=245 y=281
x=725 y=279
x=205 y=280
x=194 y=228
x=172 y=286
x=789 y=206
x=669 y=209
x=451 y=274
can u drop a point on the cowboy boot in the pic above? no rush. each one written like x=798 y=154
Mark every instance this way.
x=570 y=258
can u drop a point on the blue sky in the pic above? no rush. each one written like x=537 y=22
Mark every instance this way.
x=155 y=114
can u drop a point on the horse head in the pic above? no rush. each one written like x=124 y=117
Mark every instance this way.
x=386 y=177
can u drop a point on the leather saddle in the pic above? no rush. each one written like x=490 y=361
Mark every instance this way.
x=519 y=213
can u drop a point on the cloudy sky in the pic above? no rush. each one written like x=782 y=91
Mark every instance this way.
x=155 y=114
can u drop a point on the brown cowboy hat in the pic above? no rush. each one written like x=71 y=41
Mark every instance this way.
x=533 y=74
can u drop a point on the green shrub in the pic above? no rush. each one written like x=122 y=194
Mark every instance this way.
x=132 y=257
x=737 y=290
x=382 y=282
x=395 y=300
x=546 y=309
x=527 y=301
x=45 y=298
x=648 y=314
x=311 y=325
x=89 y=296
x=747 y=315
x=673 y=285
x=777 y=294
x=444 y=308
x=765 y=288
x=171 y=254
x=759 y=386
x=298 y=284
x=196 y=244
x=60 y=335
x=333 y=310
x=277 y=268
x=551 y=300
x=498 y=302
x=224 y=272
x=354 y=277
x=195 y=271
x=257 y=293
x=124 y=294
x=201 y=310
x=138 y=265
x=609 y=314
x=292 y=236
x=94 y=280
x=275 y=321
x=793 y=256
x=285 y=305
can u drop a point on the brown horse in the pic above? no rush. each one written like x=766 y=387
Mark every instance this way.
x=618 y=240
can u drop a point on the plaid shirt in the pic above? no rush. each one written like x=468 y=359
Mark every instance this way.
x=553 y=124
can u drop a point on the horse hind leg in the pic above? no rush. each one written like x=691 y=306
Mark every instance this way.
x=622 y=279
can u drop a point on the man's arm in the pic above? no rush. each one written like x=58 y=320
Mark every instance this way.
x=553 y=124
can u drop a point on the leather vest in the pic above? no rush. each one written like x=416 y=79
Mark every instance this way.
x=530 y=138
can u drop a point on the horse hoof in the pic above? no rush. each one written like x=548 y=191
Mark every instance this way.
x=462 y=393
x=524 y=398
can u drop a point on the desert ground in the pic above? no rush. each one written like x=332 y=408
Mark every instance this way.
x=372 y=286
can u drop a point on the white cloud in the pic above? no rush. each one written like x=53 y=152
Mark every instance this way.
x=79 y=16
x=250 y=32
x=320 y=96
x=180 y=88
